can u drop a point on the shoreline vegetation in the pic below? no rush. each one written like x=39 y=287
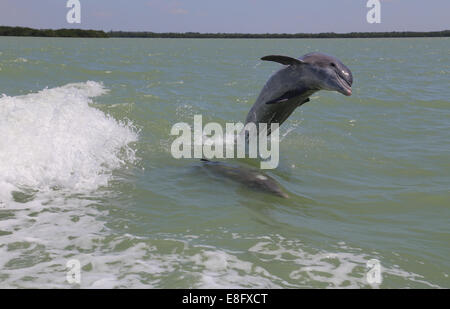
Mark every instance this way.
x=80 y=33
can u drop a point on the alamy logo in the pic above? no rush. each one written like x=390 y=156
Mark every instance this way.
x=374 y=14
x=239 y=141
x=73 y=275
x=74 y=14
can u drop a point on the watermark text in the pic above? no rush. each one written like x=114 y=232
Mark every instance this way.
x=236 y=141
x=74 y=14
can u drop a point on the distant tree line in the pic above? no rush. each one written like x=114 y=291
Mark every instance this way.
x=23 y=31
x=405 y=34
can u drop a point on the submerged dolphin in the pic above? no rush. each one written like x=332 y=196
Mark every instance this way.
x=249 y=177
x=291 y=86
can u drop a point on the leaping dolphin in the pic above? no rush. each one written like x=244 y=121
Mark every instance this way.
x=291 y=86
x=287 y=89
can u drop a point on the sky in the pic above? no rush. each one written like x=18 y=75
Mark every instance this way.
x=243 y=16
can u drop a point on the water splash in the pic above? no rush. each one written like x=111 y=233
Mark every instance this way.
x=55 y=139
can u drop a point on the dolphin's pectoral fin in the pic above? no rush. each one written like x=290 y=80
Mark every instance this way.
x=285 y=60
x=287 y=96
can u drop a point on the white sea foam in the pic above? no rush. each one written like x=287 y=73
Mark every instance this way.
x=37 y=252
x=53 y=145
x=55 y=139
x=54 y=149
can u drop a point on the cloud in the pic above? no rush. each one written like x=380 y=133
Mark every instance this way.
x=171 y=7
x=178 y=11
x=102 y=14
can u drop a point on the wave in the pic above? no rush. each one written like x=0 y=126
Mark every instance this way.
x=54 y=139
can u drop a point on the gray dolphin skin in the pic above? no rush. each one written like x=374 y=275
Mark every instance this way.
x=249 y=177
x=291 y=86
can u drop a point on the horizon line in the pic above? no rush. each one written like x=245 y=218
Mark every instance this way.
x=251 y=33
x=77 y=32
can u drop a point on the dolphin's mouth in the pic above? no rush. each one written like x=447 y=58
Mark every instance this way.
x=345 y=87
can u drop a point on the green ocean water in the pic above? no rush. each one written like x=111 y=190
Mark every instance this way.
x=86 y=171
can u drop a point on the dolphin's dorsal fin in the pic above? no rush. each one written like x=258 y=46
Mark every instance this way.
x=285 y=60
